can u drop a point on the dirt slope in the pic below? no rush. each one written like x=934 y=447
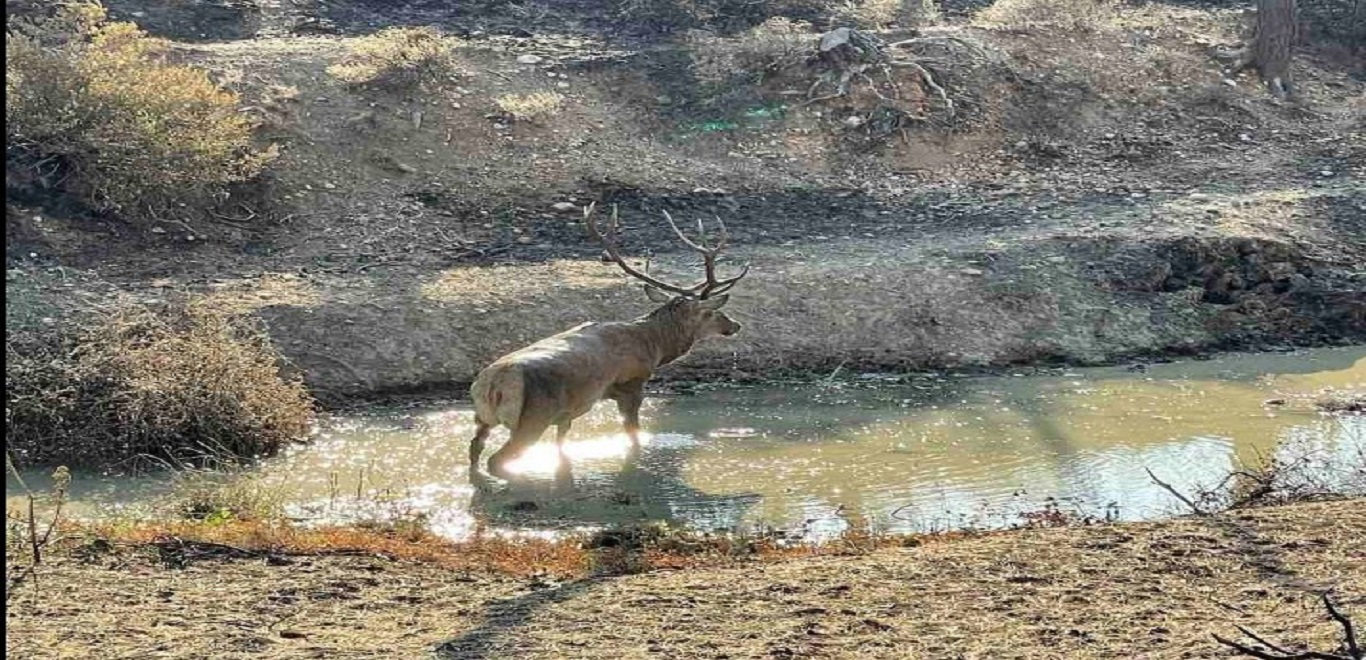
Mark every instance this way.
x=1103 y=194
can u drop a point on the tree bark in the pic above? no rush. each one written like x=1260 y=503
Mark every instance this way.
x=1359 y=24
x=1273 y=43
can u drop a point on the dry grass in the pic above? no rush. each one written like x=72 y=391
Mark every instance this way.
x=1156 y=590
x=182 y=384
x=765 y=50
x=398 y=57
x=94 y=108
x=1072 y=15
x=533 y=107
x=878 y=14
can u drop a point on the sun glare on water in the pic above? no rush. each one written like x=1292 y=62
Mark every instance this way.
x=543 y=458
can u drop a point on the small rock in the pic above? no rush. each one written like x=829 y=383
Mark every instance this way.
x=1326 y=173
x=564 y=207
x=1057 y=259
x=975 y=272
x=529 y=59
x=330 y=186
x=524 y=240
x=853 y=121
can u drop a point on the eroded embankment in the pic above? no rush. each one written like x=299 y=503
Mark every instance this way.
x=870 y=305
x=916 y=296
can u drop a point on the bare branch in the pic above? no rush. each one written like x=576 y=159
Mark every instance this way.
x=1176 y=493
x=1348 y=633
x=1276 y=652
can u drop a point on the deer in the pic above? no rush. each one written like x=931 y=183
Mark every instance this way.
x=556 y=380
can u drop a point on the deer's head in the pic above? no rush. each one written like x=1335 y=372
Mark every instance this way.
x=694 y=309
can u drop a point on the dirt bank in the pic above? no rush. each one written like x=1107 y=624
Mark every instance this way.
x=1065 y=214
x=1156 y=590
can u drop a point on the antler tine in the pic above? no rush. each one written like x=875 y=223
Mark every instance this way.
x=684 y=237
x=710 y=286
x=611 y=247
x=725 y=233
x=729 y=283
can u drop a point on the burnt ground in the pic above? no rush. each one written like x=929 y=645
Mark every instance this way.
x=1152 y=590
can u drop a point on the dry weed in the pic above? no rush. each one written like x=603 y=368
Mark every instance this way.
x=534 y=107
x=398 y=57
x=1072 y=15
x=775 y=45
x=94 y=108
x=181 y=384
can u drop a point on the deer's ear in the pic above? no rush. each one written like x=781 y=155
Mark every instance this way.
x=655 y=295
x=714 y=303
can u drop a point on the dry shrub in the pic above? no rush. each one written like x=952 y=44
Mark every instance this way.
x=748 y=58
x=95 y=109
x=727 y=16
x=877 y=14
x=182 y=384
x=519 y=556
x=398 y=57
x=1074 y=15
x=533 y=107
x=1352 y=400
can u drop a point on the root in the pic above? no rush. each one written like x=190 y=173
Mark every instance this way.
x=853 y=60
x=929 y=82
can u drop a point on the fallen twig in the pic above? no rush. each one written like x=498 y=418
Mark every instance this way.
x=1176 y=493
x=1350 y=648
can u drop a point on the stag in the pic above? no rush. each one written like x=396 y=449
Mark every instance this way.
x=557 y=379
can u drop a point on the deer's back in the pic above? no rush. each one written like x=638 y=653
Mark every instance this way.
x=570 y=371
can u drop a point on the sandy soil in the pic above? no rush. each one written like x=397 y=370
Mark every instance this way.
x=1154 y=590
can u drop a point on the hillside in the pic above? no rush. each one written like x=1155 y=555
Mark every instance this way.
x=1088 y=188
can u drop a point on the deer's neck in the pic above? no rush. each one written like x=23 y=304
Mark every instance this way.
x=667 y=340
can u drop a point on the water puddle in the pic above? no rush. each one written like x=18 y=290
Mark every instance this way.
x=930 y=454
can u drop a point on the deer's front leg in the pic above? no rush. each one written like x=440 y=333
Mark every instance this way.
x=629 y=397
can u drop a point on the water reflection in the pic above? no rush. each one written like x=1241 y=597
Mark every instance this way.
x=934 y=453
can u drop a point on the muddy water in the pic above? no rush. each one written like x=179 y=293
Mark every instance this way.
x=929 y=453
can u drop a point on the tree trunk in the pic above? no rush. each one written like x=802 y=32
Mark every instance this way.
x=1359 y=24
x=1273 y=43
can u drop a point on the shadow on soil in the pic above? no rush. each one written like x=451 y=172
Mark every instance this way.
x=505 y=617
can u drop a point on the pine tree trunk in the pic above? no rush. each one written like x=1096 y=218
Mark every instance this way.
x=1274 y=43
x=1359 y=23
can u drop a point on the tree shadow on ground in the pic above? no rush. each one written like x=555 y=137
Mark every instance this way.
x=504 y=617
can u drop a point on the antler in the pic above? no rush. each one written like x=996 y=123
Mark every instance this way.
x=701 y=290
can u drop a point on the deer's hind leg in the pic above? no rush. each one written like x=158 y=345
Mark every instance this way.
x=629 y=397
x=481 y=433
x=528 y=431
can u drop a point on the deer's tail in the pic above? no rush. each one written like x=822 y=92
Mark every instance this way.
x=498 y=395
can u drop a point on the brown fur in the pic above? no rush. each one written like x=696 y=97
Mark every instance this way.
x=558 y=379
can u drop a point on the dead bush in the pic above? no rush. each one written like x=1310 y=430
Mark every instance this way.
x=1072 y=15
x=94 y=108
x=764 y=50
x=398 y=57
x=182 y=384
x=878 y=14
x=724 y=16
x=537 y=106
